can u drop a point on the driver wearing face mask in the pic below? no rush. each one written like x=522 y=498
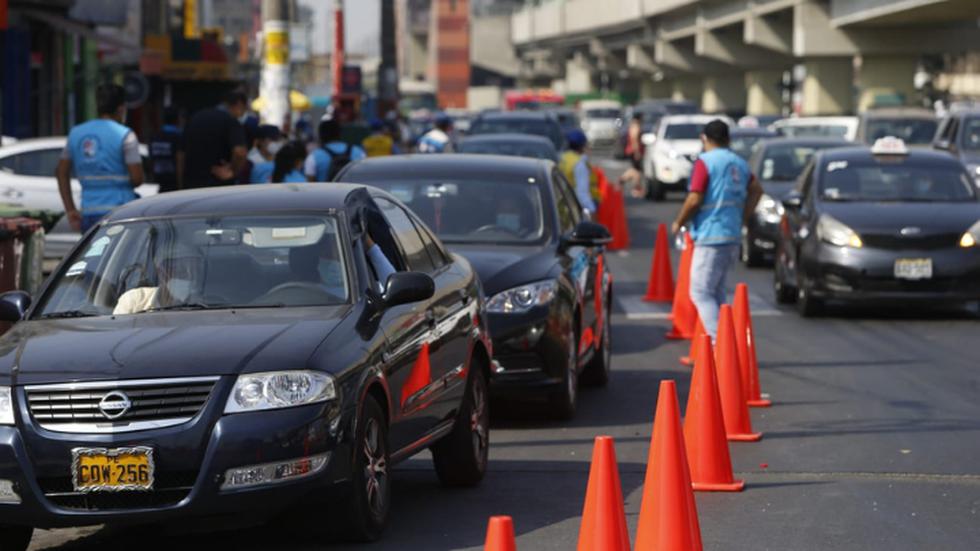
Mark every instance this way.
x=179 y=270
x=509 y=215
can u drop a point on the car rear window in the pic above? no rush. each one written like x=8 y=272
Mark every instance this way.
x=515 y=149
x=911 y=131
x=685 y=131
x=894 y=180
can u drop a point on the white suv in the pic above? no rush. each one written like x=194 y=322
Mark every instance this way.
x=671 y=151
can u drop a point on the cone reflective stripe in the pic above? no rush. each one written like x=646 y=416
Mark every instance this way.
x=704 y=428
x=660 y=286
x=692 y=353
x=668 y=513
x=738 y=425
x=500 y=535
x=683 y=314
x=603 y=517
x=745 y=339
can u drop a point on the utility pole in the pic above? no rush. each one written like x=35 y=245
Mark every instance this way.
x=388 y=70
x=274 y=85
x=338 y=48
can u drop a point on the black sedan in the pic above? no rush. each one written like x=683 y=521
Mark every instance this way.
x=536 y=123
x=231 y=351
x=744 y=140
x=777 y=163
x=885 y=224
x=541 y=262
x=519 y=145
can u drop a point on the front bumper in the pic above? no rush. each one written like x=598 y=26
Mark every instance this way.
x=672 y=172
x=763 y=234
x=867 y=274
x=529 y=352
x=190 y=464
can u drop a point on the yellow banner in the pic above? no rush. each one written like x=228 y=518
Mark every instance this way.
x=276 y=47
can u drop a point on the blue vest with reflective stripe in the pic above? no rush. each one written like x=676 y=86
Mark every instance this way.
x=262 y=172
x=97 y=156
x=719 y=220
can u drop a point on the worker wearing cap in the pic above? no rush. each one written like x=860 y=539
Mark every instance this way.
x=179 y=268
x=723 y=193
x=379 y=143
x=438 y=140
x=105 y=156
x=575 y=166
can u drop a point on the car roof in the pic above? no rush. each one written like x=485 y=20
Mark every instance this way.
x=903 y=112
x=863 y=153
x=33 y=144
x=806 y=121
x=450 y=165
x=743 y=131
x=508 y=137
x=804 y=141
x=517 y=115
x=687 y=119
x=239 y=199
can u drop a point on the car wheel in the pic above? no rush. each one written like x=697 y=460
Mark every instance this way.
x=366 y=513
x=785 y=294
x=15 y=538
x=565 y=399
x=806 y=304
x=751 y=256
x=461 y=457
x=596 y=373
x=655 y=190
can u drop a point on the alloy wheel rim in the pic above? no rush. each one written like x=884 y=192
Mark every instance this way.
x=478 y=425
x=606 y=342
x=572 y=368
x=375 y=467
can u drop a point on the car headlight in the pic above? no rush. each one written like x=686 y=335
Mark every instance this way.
x=6 y=406
x=280 y=389
x=769 y=209
x=974 y=170
x=833 y=231
x=523 y=298
x=971 y=237
x=671 y=154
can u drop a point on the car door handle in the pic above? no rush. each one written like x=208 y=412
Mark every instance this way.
x=430 y=318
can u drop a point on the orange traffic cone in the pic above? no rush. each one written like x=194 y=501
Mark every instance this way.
x=668 y=513
x=738 y=424
x=660 y=287
x=603 y=518
x=683 y=313
x=745 y=339
x=704 y=428
x=500 y=535
x=692 y=352
x=420 y=377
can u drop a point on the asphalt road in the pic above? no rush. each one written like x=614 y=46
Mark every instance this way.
x=873 y=442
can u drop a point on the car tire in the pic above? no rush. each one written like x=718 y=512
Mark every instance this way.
x=785 y=294
x=461 y=457
x=806 y=304
x=655 y=190
x=596 y=373
x=751 y=256
x=565 y=400
x=15 y=538
x=365 y=516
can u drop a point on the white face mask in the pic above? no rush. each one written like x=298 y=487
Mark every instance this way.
x=510 y=221
x=179 y=289
x=274 y=147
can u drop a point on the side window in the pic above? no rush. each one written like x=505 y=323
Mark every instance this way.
x=566 y=218
x=436 y=255
x=405 y=233
x=37 y=163
x=7 y=164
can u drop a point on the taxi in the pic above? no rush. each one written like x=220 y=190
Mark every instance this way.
x=881 y=224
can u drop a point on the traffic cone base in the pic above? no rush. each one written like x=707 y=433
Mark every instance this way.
x=736 y=486
x=759 y=403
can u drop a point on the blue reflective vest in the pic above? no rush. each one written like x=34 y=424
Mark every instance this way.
x=96 y=149
x=719 y=220
x=262 y=172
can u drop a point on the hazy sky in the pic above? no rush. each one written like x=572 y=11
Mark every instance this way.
x=362 y=24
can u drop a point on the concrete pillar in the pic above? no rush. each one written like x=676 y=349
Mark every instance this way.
x=763 y=95
x=688 y=88
x=828 y=88
x=886 y=76
x=578 y=76
x=653 y=89
x=723 y=94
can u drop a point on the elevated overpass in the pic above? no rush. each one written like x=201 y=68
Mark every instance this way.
x=733 y=54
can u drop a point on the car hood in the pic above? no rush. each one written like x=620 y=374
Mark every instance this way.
x=890 y=218
x=504 y=267
x=173 y=344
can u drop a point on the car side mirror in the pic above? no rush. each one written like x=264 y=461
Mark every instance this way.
x=587 y=234
x=13 y=305
x=793 y=201
x=942 y=144
x=407 y=287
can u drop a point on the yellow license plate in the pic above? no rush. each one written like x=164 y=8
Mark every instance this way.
x=112 y=470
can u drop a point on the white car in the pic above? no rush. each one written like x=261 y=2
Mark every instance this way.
x=7 y=140
x=27 y=180
x=601 y=120
x=671 y=151
x=818 y=127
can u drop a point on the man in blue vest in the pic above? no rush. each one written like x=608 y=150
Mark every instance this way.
x=438 y=139
x=326 y=161
x=106 y=157
x=722 y=194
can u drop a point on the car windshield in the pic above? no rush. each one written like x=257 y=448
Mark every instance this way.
x=784 y=163
x=971 y=134
x=534 y=127
x=911 y=131
x=514 y=149
x=473 y=211
x=568 y=120
x=605 y=113
x=814 y=131
x=744 y=146
x=198 y=263
x=685 y=131
x=895 y=181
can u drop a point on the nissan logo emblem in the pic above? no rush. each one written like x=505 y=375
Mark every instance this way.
x=114 y=404
x=911 y=230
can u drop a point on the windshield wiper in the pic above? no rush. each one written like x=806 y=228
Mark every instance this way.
x=69 y=314
x=186 y=306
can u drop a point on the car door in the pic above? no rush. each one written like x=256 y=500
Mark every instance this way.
x=425 y=386
x=799 y=220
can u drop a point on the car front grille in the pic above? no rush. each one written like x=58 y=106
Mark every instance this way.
x=152 y=403
x=910 y=242
x=169 y=488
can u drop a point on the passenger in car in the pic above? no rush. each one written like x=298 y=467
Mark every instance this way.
x=178 y=272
